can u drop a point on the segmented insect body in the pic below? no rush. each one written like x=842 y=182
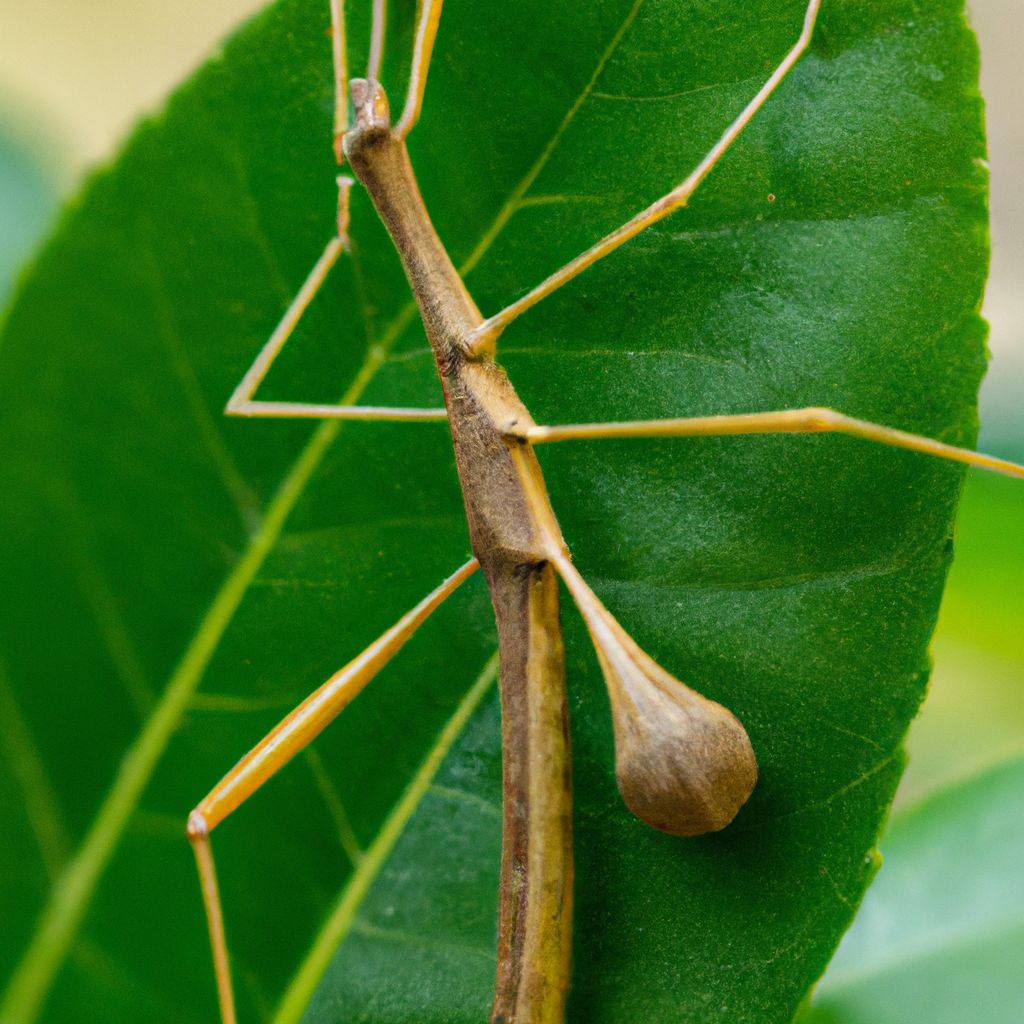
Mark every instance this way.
x=685 y=762
x=512 y=546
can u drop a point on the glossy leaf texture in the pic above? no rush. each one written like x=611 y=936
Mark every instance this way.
x=941 y=932
x=173 y=581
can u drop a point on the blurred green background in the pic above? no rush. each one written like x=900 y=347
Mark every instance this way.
x=75 y=75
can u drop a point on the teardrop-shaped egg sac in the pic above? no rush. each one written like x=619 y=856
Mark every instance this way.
x=684 y=763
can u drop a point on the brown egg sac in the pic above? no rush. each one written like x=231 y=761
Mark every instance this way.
x=684 y=764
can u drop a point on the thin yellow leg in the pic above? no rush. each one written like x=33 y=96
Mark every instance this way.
x=200 y=839
x=338 y=42
x=813 y=420
x=487 y=333
x=242 y=402
x=380 y=18
x=277 y=748
x=426 y=32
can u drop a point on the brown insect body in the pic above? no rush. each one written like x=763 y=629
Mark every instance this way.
x=670 y=772
x=684 y=764
x=513 y=548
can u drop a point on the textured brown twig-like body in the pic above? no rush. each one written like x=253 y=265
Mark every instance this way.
x=514 y=537
x=684 y=763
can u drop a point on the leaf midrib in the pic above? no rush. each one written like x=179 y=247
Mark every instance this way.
x=342 y=917
x=72 y=893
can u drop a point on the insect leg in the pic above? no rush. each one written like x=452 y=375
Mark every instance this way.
x=338 y=42
x=242 y=402
x=426 y=32
x=277 y=748
x=812 y=420
x=485 y=335
x=380 y=18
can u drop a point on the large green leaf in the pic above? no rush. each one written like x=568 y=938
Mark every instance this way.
x=940 y=937
x=174 y=581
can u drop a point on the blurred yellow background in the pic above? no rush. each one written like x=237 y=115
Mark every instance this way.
x=74 y=75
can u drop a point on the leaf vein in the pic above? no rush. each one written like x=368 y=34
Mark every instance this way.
x=465 y=797
x=168 y=332
x=335 y=806
x=430 y=942
x=100 y=599
x=342 y=918
x=29 y=771
x=73 y=891
x=515 y=198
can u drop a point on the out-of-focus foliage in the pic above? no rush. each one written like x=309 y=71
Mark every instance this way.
x=940 y=936
x=974 y=715
x=27 y=197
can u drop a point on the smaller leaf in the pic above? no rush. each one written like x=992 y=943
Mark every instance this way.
x=940 y=937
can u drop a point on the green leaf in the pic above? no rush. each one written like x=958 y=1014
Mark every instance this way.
x=173 y=581
x=941 y=932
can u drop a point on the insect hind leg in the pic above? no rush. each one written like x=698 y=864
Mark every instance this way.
x=292 y=735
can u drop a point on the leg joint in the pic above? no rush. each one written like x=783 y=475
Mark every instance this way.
x=821 y=418
x=197 y=829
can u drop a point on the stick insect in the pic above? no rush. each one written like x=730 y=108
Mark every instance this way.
x=684 y=764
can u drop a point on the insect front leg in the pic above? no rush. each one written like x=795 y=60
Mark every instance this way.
x=242 y=401
x=423 y=47
x=483 y=338
x=277 y=748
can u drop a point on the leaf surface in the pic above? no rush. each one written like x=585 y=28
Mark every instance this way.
x=941 y=932
x=174 y=581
